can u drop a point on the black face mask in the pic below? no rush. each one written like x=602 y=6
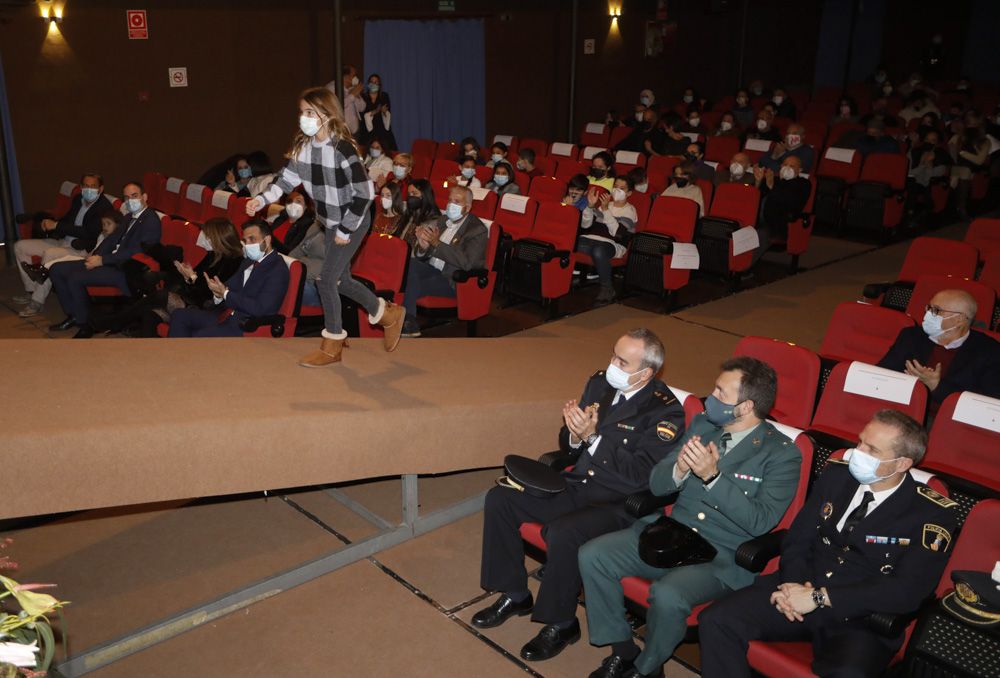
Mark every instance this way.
x=691 y=156
x=681 y=182
x=413 y=202
x=597 y=173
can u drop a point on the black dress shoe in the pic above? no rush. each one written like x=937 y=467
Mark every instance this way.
x=550 y=641
x=613 y=667
x=63 y=326
x=85 y=332
x=503 y=609
x=37 y=273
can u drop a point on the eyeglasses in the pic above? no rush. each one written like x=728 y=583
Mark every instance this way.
x=937 y=310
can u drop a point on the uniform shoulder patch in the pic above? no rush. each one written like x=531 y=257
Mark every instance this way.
x=666 y=430
x=935 y=537
x=936 y=497
x=666 y=398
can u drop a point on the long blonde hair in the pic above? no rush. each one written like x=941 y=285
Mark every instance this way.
x=327 y=103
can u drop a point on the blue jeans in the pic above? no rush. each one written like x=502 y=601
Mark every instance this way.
x=602 y=253
x=310 y=294
x=423 y=280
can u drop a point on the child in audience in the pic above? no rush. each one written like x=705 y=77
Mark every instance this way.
x=607 y=224
x=576 y=192
x=602 y=171
x=378 y=163
x=498 y=153
x=466 y=174
x=388 y=210
x=639 y=180
x=684 y=186
x=502 y=181
x=470 y=148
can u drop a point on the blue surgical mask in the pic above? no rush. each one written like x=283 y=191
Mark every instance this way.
x=864 y=467
x=496 y=157
x=932 y=325
x=374 y=87
x=374 y=152
x=253 y=251
x=90 y=194
x=719 y=413
x=618 y=378
x=309 y=126
x=133 y=205
x=501 y=179
x=468 y=172
x=454 y=211
x=244 y=172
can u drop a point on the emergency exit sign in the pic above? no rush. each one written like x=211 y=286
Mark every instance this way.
x=446 y=5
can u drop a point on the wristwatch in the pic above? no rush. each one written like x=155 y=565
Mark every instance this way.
x=819 y=597
x=589 y=440
x=709 y=479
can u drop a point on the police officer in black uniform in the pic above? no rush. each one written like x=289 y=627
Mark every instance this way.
x=869 y=539
x=626 y=422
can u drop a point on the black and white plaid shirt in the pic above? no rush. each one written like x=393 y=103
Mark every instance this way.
x=334 y=176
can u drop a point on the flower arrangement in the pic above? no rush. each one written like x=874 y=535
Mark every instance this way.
x=27 y=643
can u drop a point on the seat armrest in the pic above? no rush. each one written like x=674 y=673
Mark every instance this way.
x=559 y=459
x=889 y=625
x=754 y=555
x=254 y=323
x=643 y=503
x=875 y=290
x=481 y=275
x=562 y=255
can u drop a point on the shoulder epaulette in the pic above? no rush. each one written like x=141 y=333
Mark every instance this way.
x=843 y=462
x=934 y=496
x=666 y=398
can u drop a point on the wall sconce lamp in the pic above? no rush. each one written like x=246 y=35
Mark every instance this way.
x=52 y=19
x=615 y=12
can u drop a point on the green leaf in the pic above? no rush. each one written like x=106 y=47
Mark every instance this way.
x=48 y=643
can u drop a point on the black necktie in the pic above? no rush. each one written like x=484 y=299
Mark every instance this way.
x=858 y=514
x=724 y=443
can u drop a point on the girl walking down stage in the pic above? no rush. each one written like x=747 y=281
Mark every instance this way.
x=326 y=161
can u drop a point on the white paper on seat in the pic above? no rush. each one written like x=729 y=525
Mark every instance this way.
x=627 y=157
x=590 y=151
x=503 y=138
x=758 y=145
x=679 y=394
x=220 y=199
x=514 y=203
x=559 y=148
x=487 y=223
x=66 y=188
x=745 y=240
x=994 y=144
x=595 y=128
x=174 y=184
x=840 y=154
x=685 y=257
x=692 y=136
x=785 y=429
x=158 y=213
x=978 y=410
x=194 y=192
x=479 y=193
x=712 y=164
x=877 y=382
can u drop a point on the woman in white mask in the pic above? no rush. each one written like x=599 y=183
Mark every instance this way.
x=292 y=222
x=378 y=163
x=502 y=181
x=388 y=210
x=376 y=116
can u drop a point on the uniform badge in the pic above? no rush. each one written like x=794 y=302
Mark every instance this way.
x=666 y=430
x=937 y=498
x=935 y=538
x=886 y=569
x=756 y=441
x=965 y=593
x=827 y=510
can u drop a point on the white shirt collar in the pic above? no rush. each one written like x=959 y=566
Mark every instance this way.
x=958 y=342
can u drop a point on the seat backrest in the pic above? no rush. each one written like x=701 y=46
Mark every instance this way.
x=539 y=146
x=64 y=197
x=642 y=203
x=721 y=149
x=447 y=150
x=618 y=135
x=173 y=190
x=423 y=147
x=422 y=166
x=516 y=213
x=707 y=191
x=938 y=256
x=990 y=275
x=861 y=332
x=855 y=391
x=547 y=189
x=798 y=377
x=567 y=168
x=382 y=261
x=563 y=150
x=594 y=134
x=977 y=546
x=965 y=439
x=840 y=163
x=556 y=224
x=218 y=206
x=673 y=215
x=886 y=168
x=737 y=202
x=484 y=203
x=626 y=161
x=153 y=183
x=441 y=170
x=589 y=152
x=495 y=231
x=293 y=295
x=237 y=213
x=929 y=285
x=194 y=202
x=659 y=170
x=805 y=445
x=690 y=402
x=984 y=235
x=511 y=143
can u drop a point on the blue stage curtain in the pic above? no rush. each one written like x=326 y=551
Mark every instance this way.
x=8 y=135
x=434 y=73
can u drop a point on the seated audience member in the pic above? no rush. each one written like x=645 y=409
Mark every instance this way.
x=878 y=78
x=880 y=111
x=421 y=208
x=666 y=139
x=742 y=111
x=647 y=98
x=692 y=124
x=456 y=242
x=637 y=117
x=690 y=99
x=639 y=179
x=605 y=228
x=684 y=186
x=502 y=181
x=466 y=174
x=237 y=178
x=402 y=166
x=137 y=230
x=928 y=162
x=763 y=128
x=641 y=133
x=944 y=353
x=470 y=147
x=734 y=475
x=498 y=153
x=257 y=288
x=784 y=107
x=378 y=164
x=312 y=253
x=695 y=154
x=757 y=89
x=846 y=112
x=727 y=126
x=739 y=171
x=956 y=111
x=784 y=197
x=833 y=573
x=875 y=140
x=298 y=210
x=72 y=234
x=970 y=149
x=526 y=163
x=388 y=210
x=607 y=470
x=915 y=83
x=793 y=146
x=602 y=171
x=928 y=123
x=917 y=106
x=576 y=192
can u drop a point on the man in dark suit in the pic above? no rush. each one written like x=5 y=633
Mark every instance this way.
x=456 y=242
x=944 y=353
x=869 y=539
x=785 y=195
x=138 y=230
x=735 y=475
x=256 y=289
x=626 y=421
x=73 y=234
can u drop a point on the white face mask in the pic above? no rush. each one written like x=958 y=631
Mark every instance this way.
x=736 y=170
x=762 y=124
x=642 y=188
x=793 y=140
x=386 y=203
x=618 y=194
x=309 y=126
x=399 y=171
x=294 y=210
x=778 y=100
x=203 y=242
x=133 y=205
x=694 y=122
x=725 y=125
x=354 y=81
x=638 y=116
x=374 y=152
x=618 y=378
x=864 y=467
x=688 y=98
x=253 y=251
x=787 y=173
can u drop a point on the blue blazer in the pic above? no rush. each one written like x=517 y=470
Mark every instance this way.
x=264 y=290
x=145 y=231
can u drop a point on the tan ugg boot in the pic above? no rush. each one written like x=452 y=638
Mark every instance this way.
x=392 y=324
x=328 y=353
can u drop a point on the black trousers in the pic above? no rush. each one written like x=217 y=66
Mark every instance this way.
x=840 y=649
x=570 y=518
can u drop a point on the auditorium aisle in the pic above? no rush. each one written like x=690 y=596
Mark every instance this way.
x=405 y=611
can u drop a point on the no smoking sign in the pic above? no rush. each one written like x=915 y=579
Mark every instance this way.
x=178 y=76
x=138 y=29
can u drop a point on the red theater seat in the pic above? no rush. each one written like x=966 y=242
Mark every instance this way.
x=798 y=377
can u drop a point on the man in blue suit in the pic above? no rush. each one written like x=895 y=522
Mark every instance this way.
x=256 y=289
x=138 y=230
